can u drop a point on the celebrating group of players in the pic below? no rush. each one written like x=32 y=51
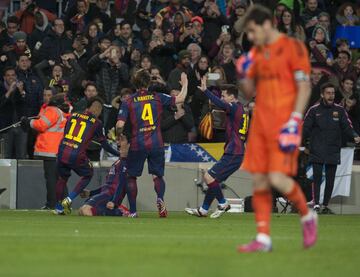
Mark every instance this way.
x=277 y=69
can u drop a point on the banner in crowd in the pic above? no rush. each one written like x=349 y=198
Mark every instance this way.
x=342 y=177
x=194 y=152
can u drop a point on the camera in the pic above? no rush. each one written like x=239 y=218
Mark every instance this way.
x=225 y=29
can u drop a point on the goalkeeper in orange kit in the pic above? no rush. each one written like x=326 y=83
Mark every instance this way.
x=277 y=70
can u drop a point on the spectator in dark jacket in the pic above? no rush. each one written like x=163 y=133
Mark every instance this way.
x=177 y=122
x=111 y=75
x=7 y=40
x=127 y=39
x=182 y=66
x=324 y=125
x=12 y=108
x=56 y=43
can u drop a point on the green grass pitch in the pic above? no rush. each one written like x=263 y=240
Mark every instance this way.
x=40 y=244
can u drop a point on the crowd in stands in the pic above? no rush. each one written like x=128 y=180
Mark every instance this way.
x=95 y=47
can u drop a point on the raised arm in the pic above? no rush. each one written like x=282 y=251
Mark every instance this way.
x=184 y=89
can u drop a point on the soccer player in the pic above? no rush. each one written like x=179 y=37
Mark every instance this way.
x=80 y=130
x=277 y=68
x=143 y=111
x=110 y=196
x=236 y=128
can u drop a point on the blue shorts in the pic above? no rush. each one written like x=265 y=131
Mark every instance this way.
x=225 y=167
x=84 y=170
x=154 y=157
x=98 y=205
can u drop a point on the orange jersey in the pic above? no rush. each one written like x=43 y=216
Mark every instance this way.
x=273 y=70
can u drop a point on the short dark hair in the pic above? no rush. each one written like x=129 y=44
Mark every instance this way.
x=12 y=19
x=124 y=22
x=94 y=99
x=8 y=68
x=347 y=77
x=90 y=83
x=230 y=89
x=141 y=79
x=258 y=14
x=21 y=55
x=327 y=85
x=125 y=91
x=346 y=53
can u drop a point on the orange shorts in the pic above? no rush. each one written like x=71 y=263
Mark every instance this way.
x=263 y=154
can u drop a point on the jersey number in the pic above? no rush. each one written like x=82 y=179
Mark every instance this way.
x=70 y=135
x=245 y=126
x=147 y=114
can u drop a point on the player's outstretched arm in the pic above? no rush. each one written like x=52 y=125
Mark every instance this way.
x=184 y=89
x=216 y=100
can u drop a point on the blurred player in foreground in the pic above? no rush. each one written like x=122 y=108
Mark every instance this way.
x=80 y=130
x=143 y=111
x=277 y=69
x=108 y=197
x=236 y=129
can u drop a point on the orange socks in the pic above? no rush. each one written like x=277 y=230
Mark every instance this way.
x=296 y=196
x=262 y=205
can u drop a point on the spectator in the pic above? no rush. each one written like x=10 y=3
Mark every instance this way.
x=7 y=36
x=110 y=75
x=343 y=66
x=20 y=48
x=162 y=52
x=324 y=125
x=127 y=40
x=324 y=21
x=12 y=108
x=183 y=66
x=55 y=79
x=346 y=87
x=80 y=52
x=346 y=16
x=352 y=107
x=319 y=46
x=289 y=26
x=90 y=91
x=310 y=15
x=176 y=122
x=178 y=26
x=26 y=15
x=55 y=43
x=167 y=14
x=195 y=52
x=92 y=34
x=218 y=45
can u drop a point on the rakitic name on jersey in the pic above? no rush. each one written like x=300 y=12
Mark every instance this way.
x=144 y=98
x=147 y=129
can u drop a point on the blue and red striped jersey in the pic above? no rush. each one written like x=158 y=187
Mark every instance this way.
x=80 y=129
x=143 y=110
x=237 y=123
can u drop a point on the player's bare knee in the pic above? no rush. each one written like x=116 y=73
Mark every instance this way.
x=280 y=181
x=261 y=181
x=208 y=178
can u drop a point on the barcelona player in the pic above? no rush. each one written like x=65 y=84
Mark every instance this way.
x=277 y=69
x=236 y=129
x=106 y=200
x=143 y=111
x=80 y=129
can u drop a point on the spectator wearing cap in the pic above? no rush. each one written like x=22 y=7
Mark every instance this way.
x=193 y=33
x=26 y=15
x=183 y=65
x=7 y=36
x=127 y=39
x=162 y=52
x=20 y=47
x=55 y=43
x=213 y=22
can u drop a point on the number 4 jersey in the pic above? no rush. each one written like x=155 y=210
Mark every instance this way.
x=143 y=111
x=80 y=129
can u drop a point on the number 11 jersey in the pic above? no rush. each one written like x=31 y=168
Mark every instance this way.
x=80 y=129
x=143 y=111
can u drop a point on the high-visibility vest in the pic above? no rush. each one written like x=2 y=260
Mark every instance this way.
x=50 y=125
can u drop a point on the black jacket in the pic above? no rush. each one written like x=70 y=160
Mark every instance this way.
x=12 y=108
x=54 y=46
x=323 y=128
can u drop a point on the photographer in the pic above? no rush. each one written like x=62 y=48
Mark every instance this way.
x=26 y=15
x=324 y=125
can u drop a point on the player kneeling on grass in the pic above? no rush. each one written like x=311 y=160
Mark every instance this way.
x=106 y=202
x=236 y=129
